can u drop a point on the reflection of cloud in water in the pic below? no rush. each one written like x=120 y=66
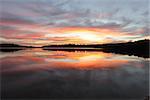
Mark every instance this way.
x=60 y=60
x=47 y=74
x=122 y=82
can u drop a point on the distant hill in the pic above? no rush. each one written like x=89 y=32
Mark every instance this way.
x=10 y=45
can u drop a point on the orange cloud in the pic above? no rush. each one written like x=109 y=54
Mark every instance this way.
x=61 y=60
x=40 y=35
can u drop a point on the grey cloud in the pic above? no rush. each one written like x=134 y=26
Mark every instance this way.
x=12 y=17
x=120 y=14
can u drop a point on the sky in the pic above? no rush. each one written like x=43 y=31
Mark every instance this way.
x=43 y=22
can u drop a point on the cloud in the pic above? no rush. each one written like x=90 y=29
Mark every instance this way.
x=30 y=21
x=9 y=17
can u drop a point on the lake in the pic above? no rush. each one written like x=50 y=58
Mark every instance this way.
x=37 y=73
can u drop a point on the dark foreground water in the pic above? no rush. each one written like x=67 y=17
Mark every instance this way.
x=37 y=73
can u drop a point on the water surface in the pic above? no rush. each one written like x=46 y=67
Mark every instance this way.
x=37 y=73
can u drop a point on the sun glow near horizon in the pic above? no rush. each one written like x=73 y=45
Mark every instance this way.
x=72 y=22
x=79 y=35
x=74 y=35
x=86 y=35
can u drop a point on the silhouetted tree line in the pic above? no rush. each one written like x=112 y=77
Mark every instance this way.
x=138 y=44
x=74 y=45
x=128 y=45
x=10 y=45
x=138 y=48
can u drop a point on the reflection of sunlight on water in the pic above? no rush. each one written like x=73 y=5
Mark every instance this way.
x=60 y=60
x=64 y=59
x=91 y=57
x=41 y=73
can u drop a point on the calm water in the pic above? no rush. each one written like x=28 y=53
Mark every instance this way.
x=37 y=73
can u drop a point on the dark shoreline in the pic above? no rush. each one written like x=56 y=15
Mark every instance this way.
x=130 y=53
x=138 y=48
x=144 y=54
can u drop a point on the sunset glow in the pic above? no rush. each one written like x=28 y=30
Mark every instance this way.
x=64 y=60
x=74 y=49
x=73 y=21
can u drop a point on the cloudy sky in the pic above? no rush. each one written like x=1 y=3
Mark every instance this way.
x=42 y=22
